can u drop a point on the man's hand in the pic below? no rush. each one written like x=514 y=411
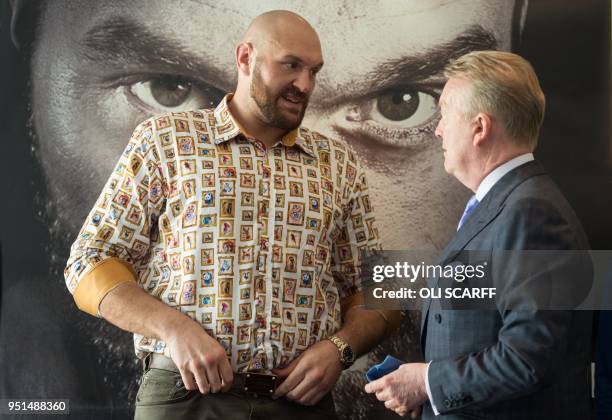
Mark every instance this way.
x=312 y=375
x=200 y=358
x=402 y=391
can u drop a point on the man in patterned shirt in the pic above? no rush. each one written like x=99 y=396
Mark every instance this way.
x=229 y=241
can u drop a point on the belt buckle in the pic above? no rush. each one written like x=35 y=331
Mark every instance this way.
x=260 y=384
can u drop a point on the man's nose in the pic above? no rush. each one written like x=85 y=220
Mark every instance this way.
x=438 y=131
x=304 y=81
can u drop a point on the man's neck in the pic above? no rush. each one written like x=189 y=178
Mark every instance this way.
x=493 y=162
x=251 y=124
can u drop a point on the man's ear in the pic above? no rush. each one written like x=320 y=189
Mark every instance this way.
x=481 y=126
x=244 y=58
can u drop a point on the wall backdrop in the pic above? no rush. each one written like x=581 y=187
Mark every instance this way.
x=78 y=76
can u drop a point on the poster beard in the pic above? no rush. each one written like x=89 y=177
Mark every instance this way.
x=116 y=370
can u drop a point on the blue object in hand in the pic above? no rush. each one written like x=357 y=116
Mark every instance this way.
x=387 y=366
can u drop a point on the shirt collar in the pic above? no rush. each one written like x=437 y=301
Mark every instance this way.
x=498 y=173
x=226 y=128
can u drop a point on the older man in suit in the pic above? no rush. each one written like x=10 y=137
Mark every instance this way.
x=515 y=361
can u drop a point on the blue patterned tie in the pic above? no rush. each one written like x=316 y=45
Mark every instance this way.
x=469 y=208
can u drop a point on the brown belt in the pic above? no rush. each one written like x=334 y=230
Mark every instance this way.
x=249 y=382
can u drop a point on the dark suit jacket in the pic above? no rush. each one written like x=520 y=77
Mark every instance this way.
x=512 y=363
x=603 y=367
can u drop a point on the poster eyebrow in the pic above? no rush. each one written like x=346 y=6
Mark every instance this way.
x=122 y=41
x=431 y=62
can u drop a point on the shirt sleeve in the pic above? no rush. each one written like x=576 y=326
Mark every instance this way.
x=429 y=394
x=357 y=230
x=115 y=238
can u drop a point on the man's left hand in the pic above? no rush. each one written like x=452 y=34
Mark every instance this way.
x=312 y=375
x=403 y=390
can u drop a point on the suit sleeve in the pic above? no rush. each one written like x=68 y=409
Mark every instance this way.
x=531 y=343
x=115 y=238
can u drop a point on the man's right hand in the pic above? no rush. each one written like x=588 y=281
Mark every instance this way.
x=200 y=358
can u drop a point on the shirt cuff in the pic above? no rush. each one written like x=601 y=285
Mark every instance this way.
x=433 y=406
x=96 y=284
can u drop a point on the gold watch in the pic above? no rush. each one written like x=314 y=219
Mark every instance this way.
x=347 y=355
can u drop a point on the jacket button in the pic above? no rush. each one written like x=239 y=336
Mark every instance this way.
x=438 y=318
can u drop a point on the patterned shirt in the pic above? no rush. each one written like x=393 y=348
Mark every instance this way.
x=259 y=245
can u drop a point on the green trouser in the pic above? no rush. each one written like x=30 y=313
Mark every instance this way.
x=162 y=395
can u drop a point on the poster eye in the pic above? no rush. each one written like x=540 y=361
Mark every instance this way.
x=400 y=116
x=166 y=92
x=401 y=106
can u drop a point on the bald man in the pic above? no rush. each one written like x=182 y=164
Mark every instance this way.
x=229 y=241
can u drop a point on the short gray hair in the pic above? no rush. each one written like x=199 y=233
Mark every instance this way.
x=505 y=86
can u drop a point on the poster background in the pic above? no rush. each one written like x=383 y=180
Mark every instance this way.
x=49 y=349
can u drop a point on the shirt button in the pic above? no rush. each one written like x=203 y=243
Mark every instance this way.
x=438 y=318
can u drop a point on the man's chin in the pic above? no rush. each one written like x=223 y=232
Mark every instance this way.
x=448 y=169
x=289 y=121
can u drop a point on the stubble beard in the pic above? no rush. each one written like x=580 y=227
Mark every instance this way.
x=266 y=101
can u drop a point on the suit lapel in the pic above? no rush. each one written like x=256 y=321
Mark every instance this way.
x=478 y=220
x=484 y=214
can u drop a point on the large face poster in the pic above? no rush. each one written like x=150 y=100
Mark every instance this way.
x=85 y=73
